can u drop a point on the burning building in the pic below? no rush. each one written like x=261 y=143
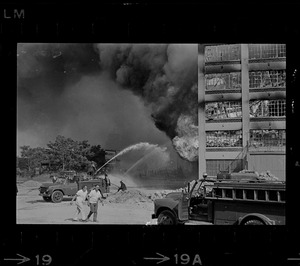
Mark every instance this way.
x=242 y=108
x=164 y=76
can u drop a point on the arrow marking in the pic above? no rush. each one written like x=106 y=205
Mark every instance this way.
x=294 y=258
x=160 y=260
x=22 y=259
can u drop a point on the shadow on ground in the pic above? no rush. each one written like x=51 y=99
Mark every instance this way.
x=41 y=200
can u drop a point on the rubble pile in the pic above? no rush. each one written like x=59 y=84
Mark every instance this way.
x=158 y=194
x=31 y=183
x=134 y=196
x=268 y=176
x=128 y=196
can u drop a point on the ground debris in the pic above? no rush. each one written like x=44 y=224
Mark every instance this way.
x=265 y=175
x=134 y=196
x=268 y=176
x=128 y=196
x=31 y=183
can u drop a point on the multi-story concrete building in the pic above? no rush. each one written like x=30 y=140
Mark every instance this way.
x=242 y=114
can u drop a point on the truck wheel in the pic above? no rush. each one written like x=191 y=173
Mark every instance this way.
x=166 y=218
x=47 y=198
x=57 y=196
x=254 y=222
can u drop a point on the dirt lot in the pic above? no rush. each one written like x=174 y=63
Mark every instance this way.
x=133 y=206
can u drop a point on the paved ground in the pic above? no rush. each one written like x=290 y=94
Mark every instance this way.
x=32 y=209
x=134 y=206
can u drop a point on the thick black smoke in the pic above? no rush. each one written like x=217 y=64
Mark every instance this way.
x=68 y=89
x=164 y=76
x=62 y=90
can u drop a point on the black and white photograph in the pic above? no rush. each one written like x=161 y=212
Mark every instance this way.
x=122 y=117
x=151 y=134
x=242 y=135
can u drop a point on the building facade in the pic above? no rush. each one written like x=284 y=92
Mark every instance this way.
x=242 y=108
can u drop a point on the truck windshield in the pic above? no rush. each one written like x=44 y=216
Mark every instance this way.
x=69 y=180
x=202 y=188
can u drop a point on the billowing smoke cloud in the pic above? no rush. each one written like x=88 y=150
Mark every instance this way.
x=62 y=91
x=165 y=78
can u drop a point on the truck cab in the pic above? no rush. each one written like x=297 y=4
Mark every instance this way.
x=56 y=191
x=189 y=204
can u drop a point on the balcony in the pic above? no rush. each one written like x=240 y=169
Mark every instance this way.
x=268 y=79
x=223 y=53
x=267 y=108
x=226 y=115
x=267 y=140
x=259 y=52
x=224 y=138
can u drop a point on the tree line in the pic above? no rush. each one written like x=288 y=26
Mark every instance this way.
x=66 y=153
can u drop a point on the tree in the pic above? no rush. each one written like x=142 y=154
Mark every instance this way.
x=34 y=156
x=70 y=153
x=26 y=154
x=97 y=155
x=25 y=151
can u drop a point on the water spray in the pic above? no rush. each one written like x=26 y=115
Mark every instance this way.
x=142 y=145
x=145 y=157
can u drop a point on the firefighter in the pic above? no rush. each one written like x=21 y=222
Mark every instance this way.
x=91 y=169
x=53 y=178
x=107 y=182
x=122 y=187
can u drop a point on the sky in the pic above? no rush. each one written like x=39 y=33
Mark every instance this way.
x=113 y=95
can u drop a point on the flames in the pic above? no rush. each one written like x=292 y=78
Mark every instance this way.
x=165 y=77
x=186 y=142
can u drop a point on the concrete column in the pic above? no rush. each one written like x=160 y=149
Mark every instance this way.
x=201 y=110
x=245 y=93
x=245 y=98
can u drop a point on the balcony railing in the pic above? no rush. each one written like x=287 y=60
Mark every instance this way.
x=224 y=138
x=232 y=52
x=267 y=79
x=267 y=108
x=223 y=110
x=223 y=81
x=267 y=139
x=267 y=51
x=222 y=53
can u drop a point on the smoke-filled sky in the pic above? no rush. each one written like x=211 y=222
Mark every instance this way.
x=114 y=95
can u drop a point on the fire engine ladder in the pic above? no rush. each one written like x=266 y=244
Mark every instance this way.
x=240 y=162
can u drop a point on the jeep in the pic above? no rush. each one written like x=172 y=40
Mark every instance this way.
x=55 y=192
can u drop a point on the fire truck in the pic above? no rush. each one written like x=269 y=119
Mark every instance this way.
x=238 y=199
